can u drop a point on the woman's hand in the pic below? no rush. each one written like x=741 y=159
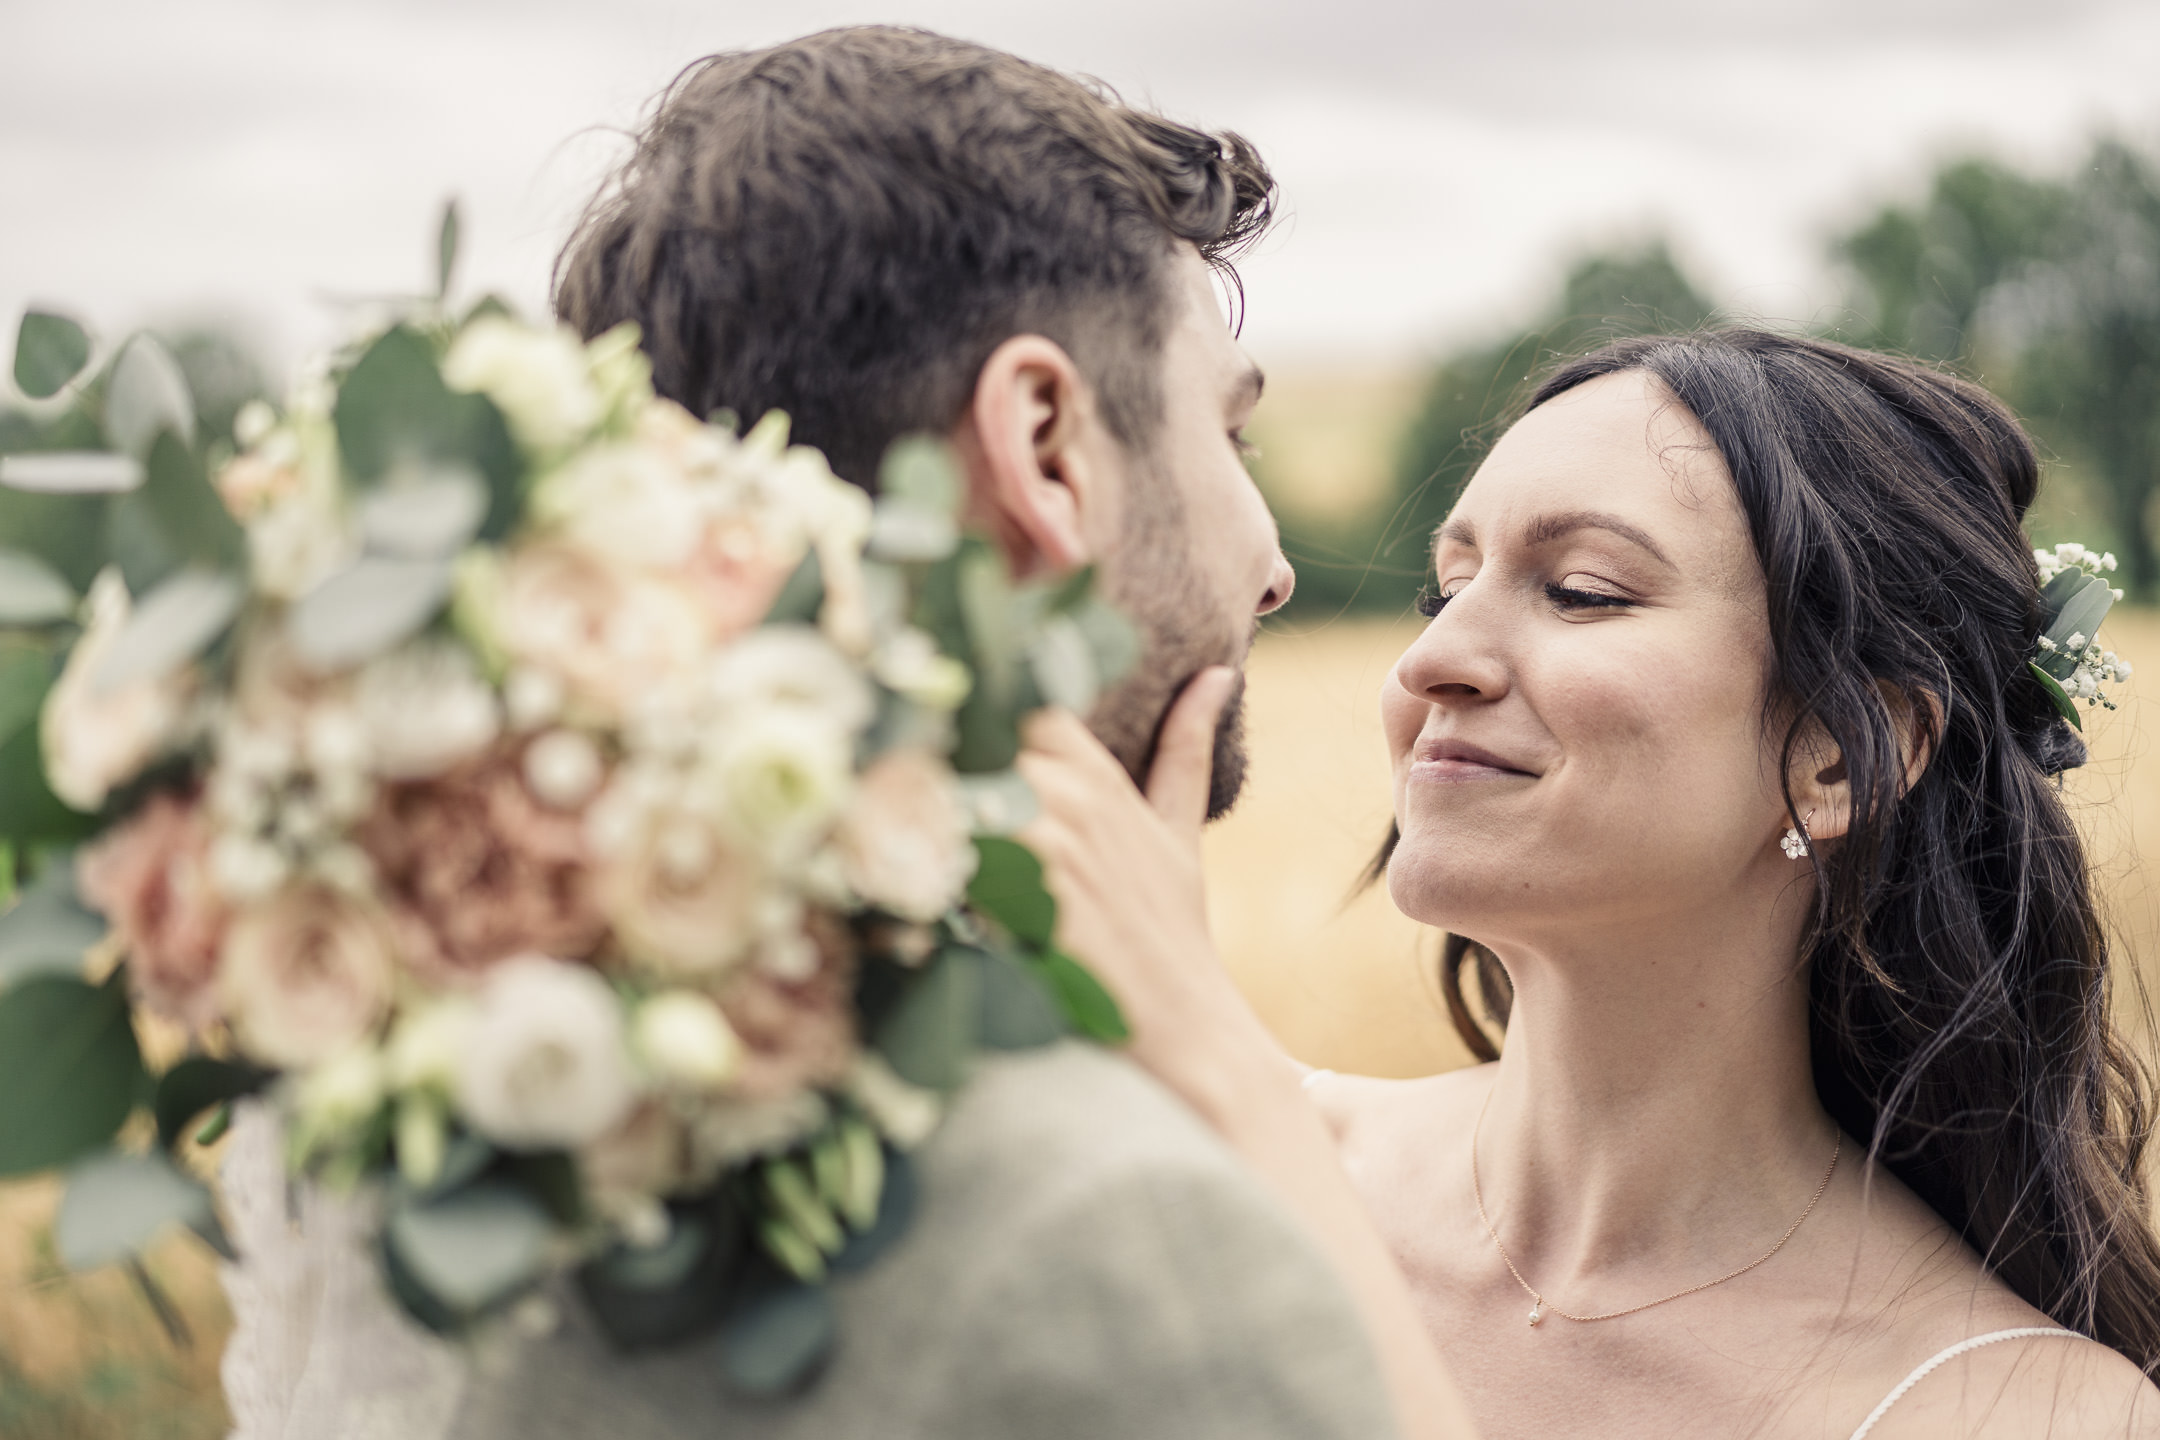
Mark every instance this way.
x=1125 y=871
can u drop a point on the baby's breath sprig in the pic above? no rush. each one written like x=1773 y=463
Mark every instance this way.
x=2075 y=596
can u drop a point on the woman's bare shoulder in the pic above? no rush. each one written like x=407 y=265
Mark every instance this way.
x=2065 y=1389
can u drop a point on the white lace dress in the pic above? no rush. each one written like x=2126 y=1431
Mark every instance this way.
x=319 y=1350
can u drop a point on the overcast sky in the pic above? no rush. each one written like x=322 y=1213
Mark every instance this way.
x=1439 y=160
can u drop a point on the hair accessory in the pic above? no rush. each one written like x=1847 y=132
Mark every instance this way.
x=2074 y=597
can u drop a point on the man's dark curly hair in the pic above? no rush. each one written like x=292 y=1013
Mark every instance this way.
x=845 y=226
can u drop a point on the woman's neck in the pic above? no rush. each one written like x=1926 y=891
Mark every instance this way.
x=1654 y=1116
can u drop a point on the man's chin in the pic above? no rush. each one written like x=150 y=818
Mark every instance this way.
x=1227 y=779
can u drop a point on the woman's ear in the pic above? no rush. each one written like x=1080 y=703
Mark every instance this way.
x=1819 y=782
x=1030 y=441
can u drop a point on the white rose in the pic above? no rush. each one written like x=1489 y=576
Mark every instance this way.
x=538 y=378
x=544 y=1063
x=626 y=503
x=779 y=777
x=305 y=974
x=612 y=635
x=95 y=737
x=563 y=768
x=905 y=839
x=424 y=708
x=795 y=668
x=686 y=1040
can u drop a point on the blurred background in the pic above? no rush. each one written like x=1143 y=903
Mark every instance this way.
x=1469 y=189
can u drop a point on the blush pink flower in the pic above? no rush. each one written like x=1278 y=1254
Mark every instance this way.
x=795 y=1034
x=476 y=870
x=150 y=877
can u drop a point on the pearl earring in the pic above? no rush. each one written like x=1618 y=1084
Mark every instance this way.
x=1794 y=843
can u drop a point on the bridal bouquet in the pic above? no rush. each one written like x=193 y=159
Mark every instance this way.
x=581 y=821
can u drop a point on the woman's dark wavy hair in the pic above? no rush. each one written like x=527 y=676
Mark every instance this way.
x=1958 y=967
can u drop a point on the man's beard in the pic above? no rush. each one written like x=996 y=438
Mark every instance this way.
x=1150 y=581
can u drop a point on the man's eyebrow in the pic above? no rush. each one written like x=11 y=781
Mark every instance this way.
x=1548 y=528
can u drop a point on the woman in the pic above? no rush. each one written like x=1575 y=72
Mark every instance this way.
x=1720 y=761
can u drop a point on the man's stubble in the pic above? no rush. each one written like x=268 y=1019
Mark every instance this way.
x=1151 y=581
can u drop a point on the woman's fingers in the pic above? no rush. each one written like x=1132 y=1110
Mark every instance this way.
x=1179 y=780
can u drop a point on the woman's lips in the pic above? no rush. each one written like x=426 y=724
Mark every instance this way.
x=1451 y=760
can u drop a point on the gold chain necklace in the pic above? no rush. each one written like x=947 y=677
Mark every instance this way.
x=1540 y=1306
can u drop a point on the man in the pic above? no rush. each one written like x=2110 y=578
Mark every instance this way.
x=885 y=232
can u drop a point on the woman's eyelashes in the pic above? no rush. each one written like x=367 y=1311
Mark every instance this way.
x=1577 y=597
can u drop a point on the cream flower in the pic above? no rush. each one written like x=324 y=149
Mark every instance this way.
x=779 y=777
x=905 y=837
x=680 y=896
x=425 y=708
x=795 y=669
x=538 y=378
x=545 y=1062
x=306 y=974
x=686 y=1040
x=626 y=503
x=97 y=737
x=612 y=635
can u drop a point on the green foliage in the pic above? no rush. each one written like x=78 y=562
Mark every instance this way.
x=69 y=1069
x=2046 y=288
x=395 y=415
x=116 y=1204
x=929 y=1035
x=458 y=1257
x=47 y=931
x=195 y=1085
x=1374 y=562
x=50 y=350
x=32 y=592
x=446 y=249
x=778 y=1338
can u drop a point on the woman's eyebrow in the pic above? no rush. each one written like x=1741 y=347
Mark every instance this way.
x=1548 y=528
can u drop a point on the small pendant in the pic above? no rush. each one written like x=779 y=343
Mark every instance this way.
x=1537 y=1312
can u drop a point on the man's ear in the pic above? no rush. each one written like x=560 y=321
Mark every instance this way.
x=1031 y=443
x=1819 y=780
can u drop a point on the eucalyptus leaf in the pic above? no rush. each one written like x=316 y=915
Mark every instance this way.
x=71 y=472
x=366 y=609
x=2076 y=607
x=146 y=397
x=1112 y=639
x=189 y=514
x=1019 y=1011
x=25 y=675
x=116 y=1204
x=30 y=814
x=69 y=1069
x=173 y=625
x=2064 y=705
x=432 y=516
x=928 y=1036
x=778 y=1338
x=32 y=592
x=48 y=930
x=906 y=533
x=1089 y=1008
x=1008 y=887
x=1000 y=802
x=395 y=413
x=474 y=1249
x=50 y=350
x=920 y=471
x=1063 y=665
x=195 y=1085
x=801 y=597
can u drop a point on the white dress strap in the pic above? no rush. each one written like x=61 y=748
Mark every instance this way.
x=1943 y=1357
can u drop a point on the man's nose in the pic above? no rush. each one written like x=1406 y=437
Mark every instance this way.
x=1281 y=581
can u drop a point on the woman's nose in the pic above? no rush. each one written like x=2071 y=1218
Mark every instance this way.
x=1457 y=656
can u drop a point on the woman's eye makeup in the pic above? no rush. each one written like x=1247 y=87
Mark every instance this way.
x=1433 y=599
x=1575 y=597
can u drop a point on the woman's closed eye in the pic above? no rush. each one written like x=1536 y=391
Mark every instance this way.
x=1586 y=593
x=1434 y=598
